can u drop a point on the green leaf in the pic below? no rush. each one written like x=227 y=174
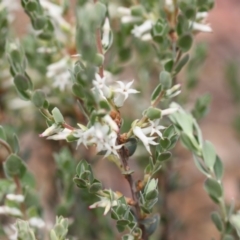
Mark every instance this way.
x=199 y=166
x=165 y=143
x=131 y=146
x=15 y=144
x=209 y=154
x=156 y=92
x=181 y=64
x=21 y=82
x=120 y=228
x=153 y=113
x=14 y=166
x=165 y=79
x=235 y=221
x=2 y=133
x=78 y=90
x=218 y=168
x=213 y=188
x=169 y=131
x=185 y=42
x=151 y=195
x=168 y=66
x=228 y=237
x=39 y=22
x=123 y=222
x=164 y=156
x=95 y=187
x=114 y=215
x=189 y=142
x=38 y=98
x=57 y=115
x=31 y=6
x=104 y=105
x=217 y=220
x=151 y=224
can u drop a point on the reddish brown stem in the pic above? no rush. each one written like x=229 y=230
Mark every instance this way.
x=19 y=191
x=65 y=125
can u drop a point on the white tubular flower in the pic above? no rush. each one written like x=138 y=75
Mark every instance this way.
x=110 y=146
x=174 y=91
x=111 y=123
x=100 y=135
x=123 y=92
x=138 y=31
x=200 y=27
x=146 y=37
x=124 y=11
x=36 y=222
x=11 y=231
x=15 y=197
x=169 y=111
x=100 y=85
x=107 y=36
x=60 y=135
x=104 y=203
x=201 y=15
x=130 y=19
x=55 y=12
x=12 y=211
x=145 y=140
x=169 y=5
x=51 y=130
x=153 y=128
x=60 y=74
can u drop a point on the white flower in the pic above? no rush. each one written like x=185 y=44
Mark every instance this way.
x=123 y=92
x=15 y=197
x=55 y=11
x=5 y=210
x=169 y=111
x=51 y=130
x=146 y=37
x=145 y=140
x=36 y=222
x=124 y=11
x=111 y=123
x=107 y=36
x=153 y=128
x=174 y=91
x=201 y=27
x=59 y=72
x=130 y=19
x=169 y=4
x=60 y=135
x=11 y=231
x=104 y=203
x=100 y=85
x=100 y=135
x=201 y=15
x=46 y=50
x=138 y=31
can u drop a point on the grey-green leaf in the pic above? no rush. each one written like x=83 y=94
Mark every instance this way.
x=217 y=220
x=213 y=188
x=209 y=154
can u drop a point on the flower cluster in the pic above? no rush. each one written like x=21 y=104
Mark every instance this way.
x=143 y=27
x=152 y=128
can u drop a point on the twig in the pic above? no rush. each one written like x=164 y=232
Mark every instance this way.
x=19 y=191
x=6 y=145
x=123 y=152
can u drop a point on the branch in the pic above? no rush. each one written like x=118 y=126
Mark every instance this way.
x=123 y=152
